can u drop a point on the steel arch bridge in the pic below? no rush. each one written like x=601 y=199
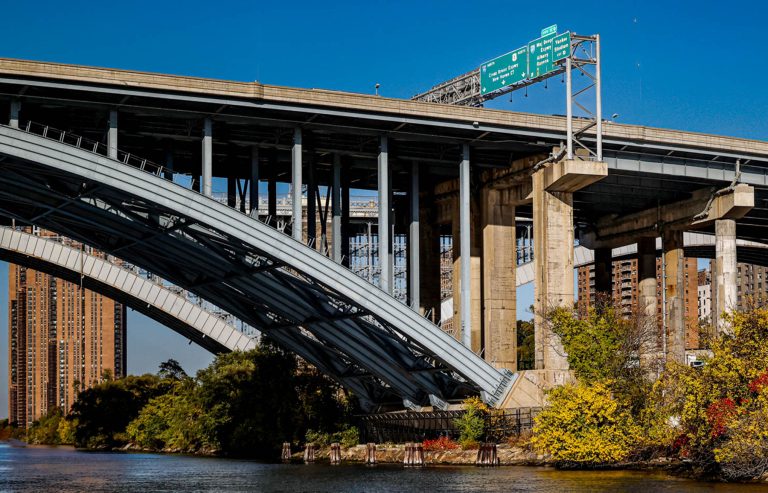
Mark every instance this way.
x=122 y=283
x=354 y=332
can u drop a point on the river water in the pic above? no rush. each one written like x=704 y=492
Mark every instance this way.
x=46 y=469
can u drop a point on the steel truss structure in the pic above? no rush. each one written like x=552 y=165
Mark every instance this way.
x=585 y=53
x=368 y=341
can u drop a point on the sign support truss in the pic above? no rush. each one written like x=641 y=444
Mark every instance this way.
x=465 y=90
x=584 y=60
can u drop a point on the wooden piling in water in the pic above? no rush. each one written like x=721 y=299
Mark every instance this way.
x=370 y=454
x=487 y=455
x=419 y=454
x=414 y=454
x=285 y=456
x=335 y=456
x=309 y=453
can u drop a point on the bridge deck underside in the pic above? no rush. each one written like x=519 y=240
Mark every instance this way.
x=154 y=123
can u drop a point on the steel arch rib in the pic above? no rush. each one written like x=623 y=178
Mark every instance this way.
x=267 y=241
x=100 y=275
x=152 y=299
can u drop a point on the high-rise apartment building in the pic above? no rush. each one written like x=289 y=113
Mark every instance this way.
x=62 y=338
x=624 y=294
x=751 y=289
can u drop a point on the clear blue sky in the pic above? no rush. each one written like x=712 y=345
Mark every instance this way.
x=690 y=65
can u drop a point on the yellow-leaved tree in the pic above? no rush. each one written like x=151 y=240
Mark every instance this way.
x=585 y=425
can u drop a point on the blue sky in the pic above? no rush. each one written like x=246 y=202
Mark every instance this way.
x=687 y=65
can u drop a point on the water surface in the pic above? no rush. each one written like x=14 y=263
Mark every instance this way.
x=48 y=469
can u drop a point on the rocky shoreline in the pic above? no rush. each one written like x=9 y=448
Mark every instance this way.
x=395 y=454
x=508 y=455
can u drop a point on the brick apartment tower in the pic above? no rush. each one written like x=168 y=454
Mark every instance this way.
x=625 y=295
x=60 y=337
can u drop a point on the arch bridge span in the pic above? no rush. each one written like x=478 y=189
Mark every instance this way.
x=365 y=339
x=124 y=284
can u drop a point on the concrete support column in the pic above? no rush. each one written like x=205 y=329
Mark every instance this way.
x=13 y=117
x=336 y=209
x=414 y=269
x=296 y=185
x=499 y=261
x=647 y=304
x=345 y=229
x=553 y=261
x=272 y=188
x=646 y=282
x=726 y=293
x=674 y=286
x=311 y=202
x=207 y=157
x=456 y=273
x=385 y=240
x=112 y=135
x=429 y=260
x=254 y=192
x=465 y=246
x=603 y=275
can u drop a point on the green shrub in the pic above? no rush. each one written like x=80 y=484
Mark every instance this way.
x=349 y=436
x=471 y=424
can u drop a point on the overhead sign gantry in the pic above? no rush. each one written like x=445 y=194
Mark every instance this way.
x=549 y=55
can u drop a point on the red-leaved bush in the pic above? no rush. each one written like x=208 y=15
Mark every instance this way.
x=718 y=415
x=760 y=383
x=442 y=443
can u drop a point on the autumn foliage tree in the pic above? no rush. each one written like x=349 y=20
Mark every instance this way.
x=719 y=413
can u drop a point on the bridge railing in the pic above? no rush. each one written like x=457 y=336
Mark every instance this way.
x=500 y=425
x=91 y=146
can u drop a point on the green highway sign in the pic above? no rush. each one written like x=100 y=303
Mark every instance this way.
x=505 y=70
x=561 y=48
x=549 y=30
x=536 y=59
x=540 y=59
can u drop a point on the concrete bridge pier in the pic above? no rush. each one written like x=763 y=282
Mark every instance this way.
x=385 y=236
x=674 y=300
x=553 y=261
x=646 y=268
x=13 y=117
x=725 y=292
x=272 y=187
x=253 y=197
x=112 y=135
x=703 y=209
x=429 y=258
x=553 y=188
x=499 y=262
x=296 y=185
x=312 y=239
x=414 y=268
x=207 y=165
x=344 y=220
